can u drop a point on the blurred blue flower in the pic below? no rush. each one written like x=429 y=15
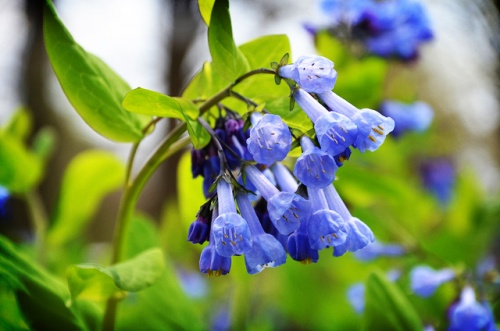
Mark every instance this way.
x=356 y=297
x=325 y=227
x=469 y=315
x=416 y=116
x=270 y=139
x=438 y=177
x=372 y=126
x=378 y=249
x=313 y=73
x=231 y=232
x=424 y=280
x=266 y=250
x=335 y=132
x=286 y=209
x=314 y=167
x=4 y=197
x=393 y=28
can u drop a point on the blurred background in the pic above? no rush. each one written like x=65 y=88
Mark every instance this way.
x=161 y=44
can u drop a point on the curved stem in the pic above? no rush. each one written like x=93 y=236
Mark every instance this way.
x=133 y=188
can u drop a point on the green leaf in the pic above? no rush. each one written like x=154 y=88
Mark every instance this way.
x=19 y=125
x=227 y=61
x=153 y=103
x=199 y=136
x=165 y=304
x=205 y=7
x=41 y=297
x=96 y=283
x=387 y=308
x=44 y=143
x=94 y=89
x=20 y=169
x=90 y=176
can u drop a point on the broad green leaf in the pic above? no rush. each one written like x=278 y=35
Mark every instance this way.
x=90 y=176
x=205 y=7
x=41 y=297
x=227 y=61
x=153 y=103
x=19 y=125
x=20 y=169
x=199 y=136
x=97 y=283
x=165 y=304
x=387 y=308
x=94 y=89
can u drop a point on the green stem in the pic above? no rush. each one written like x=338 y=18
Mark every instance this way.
x=133 y=188
x=38 y=218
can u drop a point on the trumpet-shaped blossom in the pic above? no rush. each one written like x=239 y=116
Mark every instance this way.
x=314 y=167
x=377 y=249
x=270 y=140
x=286 y=209
x=284 y=178
x=313 y=73
x=211 y=262
x=335 y=132
x=231 y=232
x=424 y=280
x=299 y=247
x=359 y=235
x=416 y=116
x=266 y=250
x=372 y=126
x=325 y=227
x=469 y=315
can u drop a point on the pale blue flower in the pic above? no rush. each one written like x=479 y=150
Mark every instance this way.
x=314 y=167
x=313 y=73
x=424 y=280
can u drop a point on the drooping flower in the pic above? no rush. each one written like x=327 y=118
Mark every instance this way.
x=270 y=139
x=415 y=116
x=359 y=235
x=266 y=250
x=424 y=280
x=211 y=262
x=231 y=232
x=372 y=126
x=314 y=167
x=325 y=227
x=199 y=230
x=286 y=209
x=299 y=246
x=468 y=314
x=313 y=73
x=335 y=132
x=378 y=249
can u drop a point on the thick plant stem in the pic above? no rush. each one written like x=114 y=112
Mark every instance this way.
x=134 y=187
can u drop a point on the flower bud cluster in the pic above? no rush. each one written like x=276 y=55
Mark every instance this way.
x=297 y=212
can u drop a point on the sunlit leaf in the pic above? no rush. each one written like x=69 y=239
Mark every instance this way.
x=20 y=169
x=205 y=7
x=94 y=90
x=41 y=297
x=387 y=308
x=89 y=177
x=97 y=283
x=227 y=61
x=19 y=125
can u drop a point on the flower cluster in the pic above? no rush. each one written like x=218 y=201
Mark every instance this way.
x=297 y=212
x=390 y=28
